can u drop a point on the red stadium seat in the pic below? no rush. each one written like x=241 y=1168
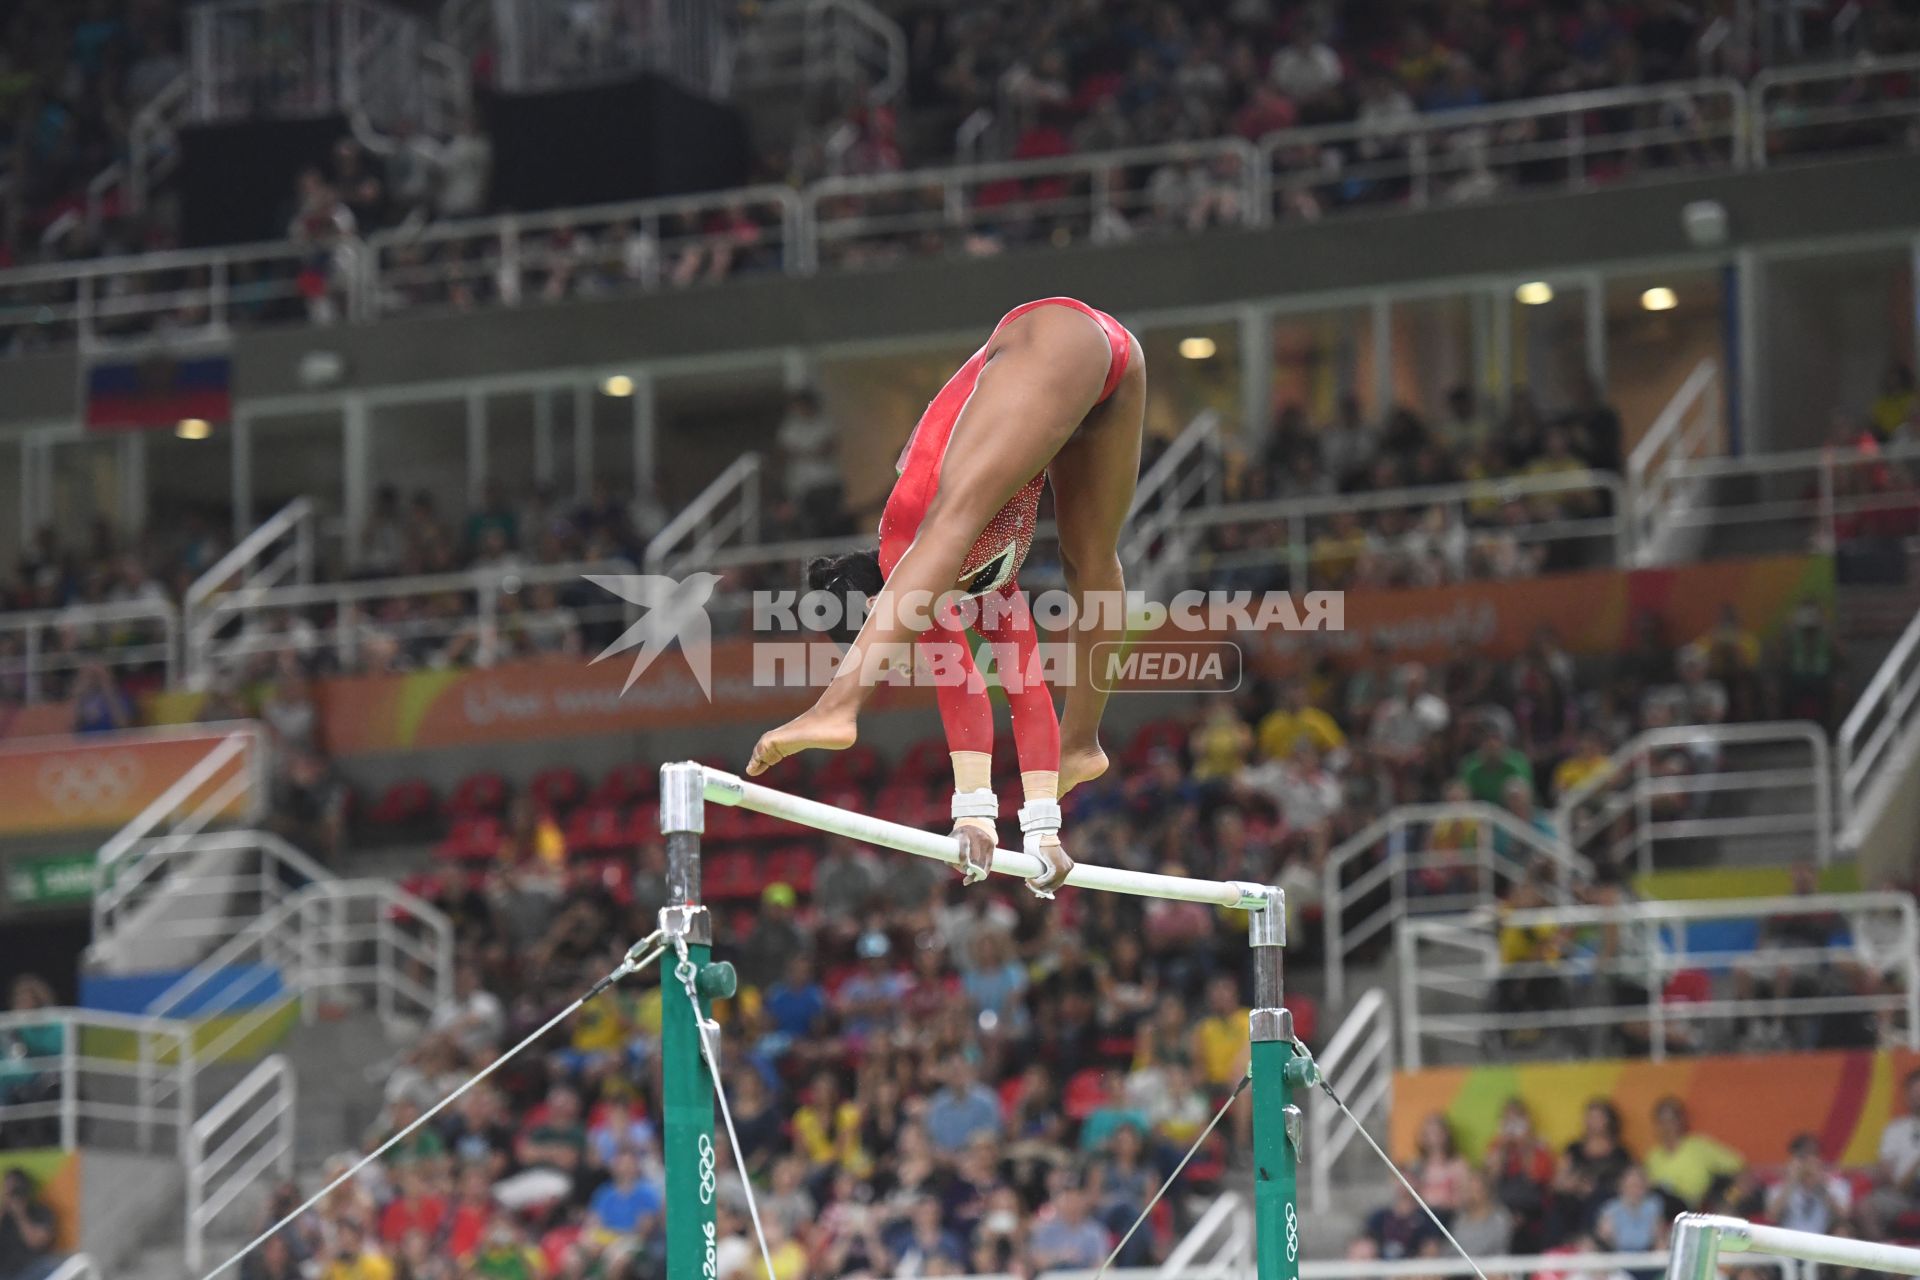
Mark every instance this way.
x=1169 y=735
x=626 y=783
x=484 y=792
x=792 y=865
x=406 y=803
x=925 y=762
x=473 y=839
x=855 y=767
x=595 y=829
x=558 y=789
x=1086 y=1093
x=643 y=823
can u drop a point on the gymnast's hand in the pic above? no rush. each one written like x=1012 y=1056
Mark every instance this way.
x=812 y=730
x=977 y=844
x=1059 y=866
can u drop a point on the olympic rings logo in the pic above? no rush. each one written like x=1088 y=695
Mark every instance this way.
x=708 y=1161
x=1293 y=1235
x=79 y=783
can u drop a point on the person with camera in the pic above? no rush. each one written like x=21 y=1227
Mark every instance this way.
x=26 y=1232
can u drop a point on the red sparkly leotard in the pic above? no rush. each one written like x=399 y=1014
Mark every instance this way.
x=990 y=568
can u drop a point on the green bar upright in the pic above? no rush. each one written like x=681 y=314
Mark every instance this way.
x=686 y=1086
x=1275 y=1171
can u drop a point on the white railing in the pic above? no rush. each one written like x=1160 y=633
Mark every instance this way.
x=1599 y=1266
x=796 y=46
x=76 y=1267
x=725 y=514
x=280 y=548
x=231 y=1149
x=1191 y=474
x=1103 y=197
x=1218 y=1245
x=331 y=938
x=541 y=45
x=355 y=58
x=152 y=153
x=1669 y=789
x=1452 y=157
x=190 y=893
x=1870 y=101
x=1474 y=530
x=641 y=246
x=43 y=650
x=1429 y=859
x=1358 y=1063
x=189 y=294
x=1423 y=159
x=1810 y=499
x=132 y=871
x=1876 y=736
x=1617 y=962
x=115 y=1080
x=475 y=617
x=1690 y=427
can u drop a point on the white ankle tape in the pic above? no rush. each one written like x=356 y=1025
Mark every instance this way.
x=1040 y=817
x=976 y=804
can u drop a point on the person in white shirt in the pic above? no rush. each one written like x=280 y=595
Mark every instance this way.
x=1305 y=69
x=1811 y=1197
x=1896 y=1191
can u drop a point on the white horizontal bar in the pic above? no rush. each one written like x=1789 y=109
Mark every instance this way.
x=1739 y=1236
x=725 y=788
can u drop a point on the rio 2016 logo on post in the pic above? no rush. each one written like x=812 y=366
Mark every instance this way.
x=1293 y=1235
x=710 y=1263
x=707 y=1159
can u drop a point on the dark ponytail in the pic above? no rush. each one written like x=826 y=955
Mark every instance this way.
x=857 y=573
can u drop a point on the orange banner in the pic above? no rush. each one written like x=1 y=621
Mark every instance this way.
x=102 y=781
x=41 y=720
x=1592 y=613
x=529 y=701
x=1754 y=1104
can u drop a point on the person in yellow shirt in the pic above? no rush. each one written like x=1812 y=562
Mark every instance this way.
x=1895 y=402
x=1221 y=1043
x=1295 y=720
x=353 y=1257
x=1337 y=552
x=1589 y=760
x=789 y=1257
x=1221 y=743
x=826 y=1130
x=1684 y=1162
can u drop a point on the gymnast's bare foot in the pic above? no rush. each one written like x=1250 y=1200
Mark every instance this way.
x=816 y=729
x=1080 y=764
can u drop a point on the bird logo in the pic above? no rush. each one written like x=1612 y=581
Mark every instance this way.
x=673 y=609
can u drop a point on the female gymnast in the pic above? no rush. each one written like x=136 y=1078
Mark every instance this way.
x=1058 y=393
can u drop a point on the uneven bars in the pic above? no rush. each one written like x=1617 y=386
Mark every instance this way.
x=724 y=788
x=1699 y=1238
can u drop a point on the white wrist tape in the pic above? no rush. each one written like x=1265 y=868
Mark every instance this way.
x=1040 y=817
x=976 y=804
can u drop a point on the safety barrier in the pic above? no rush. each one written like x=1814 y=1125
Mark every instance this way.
x=1612 y=970
x=1668 y=791
x=1876 y=735
x=230 y=1150
x=1562 y=141
x=1430 y=859
x=1358 y=1063
x=43 y=652
x=110 y=1080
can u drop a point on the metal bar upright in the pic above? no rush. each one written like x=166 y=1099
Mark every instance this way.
x=1276 y=1120
x=686 y=1086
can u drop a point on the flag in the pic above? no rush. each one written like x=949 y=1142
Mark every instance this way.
x=158 y=391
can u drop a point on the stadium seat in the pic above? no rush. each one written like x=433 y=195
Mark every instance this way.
x=483 y=792
x=1169 y=735
x=475 y=838
x=626 y=783
x=855 y=767
x=1086 y=1093
x=925 y=762
x=407 y=803
x=558 y=789
x=595 y=829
